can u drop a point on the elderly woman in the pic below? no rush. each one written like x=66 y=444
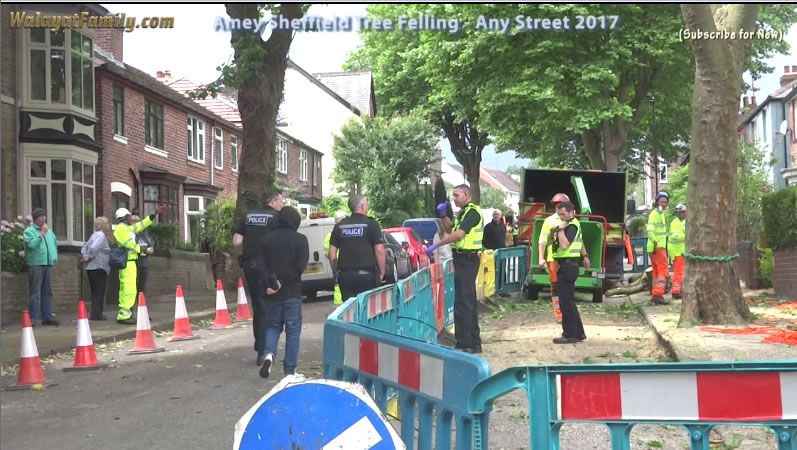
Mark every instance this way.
x=96 y=253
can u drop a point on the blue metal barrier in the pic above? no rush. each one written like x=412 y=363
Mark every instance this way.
x=431 y=378
x=639 y=250
x=697 y=396
x=448 y=270
x=416 y=308
x=510 y=269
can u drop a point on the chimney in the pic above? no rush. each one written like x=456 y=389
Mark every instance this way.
x=164 y=76
x=788 y=76
x=746 y=101
x=110 y=40
x=753 y=103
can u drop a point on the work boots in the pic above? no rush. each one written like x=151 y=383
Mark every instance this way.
x=659 y=300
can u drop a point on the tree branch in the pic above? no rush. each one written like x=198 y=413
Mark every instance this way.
x=708 y=52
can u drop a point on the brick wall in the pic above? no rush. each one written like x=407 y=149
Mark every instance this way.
x=8 y=117
x=747 y=265
x=785 y=273
x=110 y=40
x=118 y=158
x=291 y=179
x=66 y=286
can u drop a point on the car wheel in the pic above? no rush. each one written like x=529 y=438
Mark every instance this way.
x=395 y=272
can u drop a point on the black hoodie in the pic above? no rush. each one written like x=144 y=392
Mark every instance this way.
x=285 y=254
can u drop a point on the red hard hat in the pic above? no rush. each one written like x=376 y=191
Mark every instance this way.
x=559 y=198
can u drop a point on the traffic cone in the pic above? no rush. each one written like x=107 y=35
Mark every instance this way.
x=222 y=315
x=242 y=313
x=31 y=374
x=85 y=356
x=145 y=340
x=182 y=324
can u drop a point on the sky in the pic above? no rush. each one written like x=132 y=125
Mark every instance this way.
x=194 y=49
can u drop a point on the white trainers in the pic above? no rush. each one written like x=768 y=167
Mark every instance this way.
x=265 y=370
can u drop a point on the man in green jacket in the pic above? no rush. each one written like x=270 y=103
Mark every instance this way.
x=41 y=253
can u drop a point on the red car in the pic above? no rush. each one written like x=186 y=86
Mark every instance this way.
x=411 y=242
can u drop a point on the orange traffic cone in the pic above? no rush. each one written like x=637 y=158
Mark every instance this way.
x=85 y=356
x=242 y=313
x=145 y=340
x=182 y=325
x=222 y=315
x=31 y=374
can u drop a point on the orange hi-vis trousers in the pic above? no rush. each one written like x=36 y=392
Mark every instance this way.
x=678 y=274
x=553 y=268
x=658 y=260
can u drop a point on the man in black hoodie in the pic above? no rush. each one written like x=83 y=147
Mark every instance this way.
x=285 y=253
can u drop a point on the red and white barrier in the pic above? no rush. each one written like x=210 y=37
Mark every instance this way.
x=380 y=302
x=678 y=396
x=412 y=370
x=85 y=355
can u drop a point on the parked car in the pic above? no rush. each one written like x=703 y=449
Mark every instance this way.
x=317 y=275
x=397 y=260
x=425 y=227
x=413 y=244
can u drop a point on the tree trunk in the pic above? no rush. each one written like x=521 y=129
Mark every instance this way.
x=466 y=144
x=711 y=291
x=259 y=97
x=470 y=164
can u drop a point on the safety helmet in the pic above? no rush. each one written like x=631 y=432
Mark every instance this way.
x=340 y=215
x=121 y=213
x=559 y=198
x=662 y=194
x=680 y=207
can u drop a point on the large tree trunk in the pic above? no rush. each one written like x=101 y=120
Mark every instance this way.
x=259 y=97
x=711 y=291
x=466 y=144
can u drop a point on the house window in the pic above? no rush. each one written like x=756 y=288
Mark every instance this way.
x=118 y=111
x=196 y=140
x=316 y=170
x=282 y=156
x=195 y=207
x=153 y=124
x=82 y=71
x=234 y=149
x=302 y=165
x=119 y=200
x=157 y=194
x=218 y=144
x=764 y=126
x=65 y=189
x=662 y=173
x=57 y=60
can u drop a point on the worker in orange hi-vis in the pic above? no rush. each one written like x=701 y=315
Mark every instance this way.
x=545 y=252
x=657 y=248
x=676 y=246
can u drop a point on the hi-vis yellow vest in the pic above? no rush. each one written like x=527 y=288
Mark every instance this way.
x=125 y=237
x=574 y=250
x=473 y=239
x=657 y=230
x=676 y=242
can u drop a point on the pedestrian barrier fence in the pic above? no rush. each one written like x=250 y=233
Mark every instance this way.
x=510 y=269
x=434 y=381
x=438 y=294
x=448 y=270
x=639 y=250
x=485 y=276
x=697 y=396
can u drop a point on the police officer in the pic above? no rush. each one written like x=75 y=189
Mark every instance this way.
x=567 y=252
x=357 y=241
x=249 y=233
x=466 y=240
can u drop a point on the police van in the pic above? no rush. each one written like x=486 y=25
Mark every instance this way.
x=317 y=275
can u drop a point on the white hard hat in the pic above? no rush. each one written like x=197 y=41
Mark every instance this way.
x=680 y=207
x=121 y=213
x=340 y=215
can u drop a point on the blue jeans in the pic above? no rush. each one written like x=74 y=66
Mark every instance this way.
x=41 y=294
x=286 y=312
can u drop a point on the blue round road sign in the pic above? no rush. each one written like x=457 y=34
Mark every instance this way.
x=316 y=414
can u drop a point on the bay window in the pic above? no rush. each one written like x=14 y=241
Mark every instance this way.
x=57 y=60
x=161 y=194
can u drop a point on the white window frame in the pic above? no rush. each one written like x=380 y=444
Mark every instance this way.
x=663 y=172
x=193 y=153
x=282 y=156
x=203 y=205
x=234 y=152
x=27 y=80
x=303 y=165
x=316 y=169
x=218 y=148
x=68 y=153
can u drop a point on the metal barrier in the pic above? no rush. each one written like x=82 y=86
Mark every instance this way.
x=485 y=276
x=639 y=250
x=697 y=396
x=448 y=271
x=510 y=269
x=431 y=378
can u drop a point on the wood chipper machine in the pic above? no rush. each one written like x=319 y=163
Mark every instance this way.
x=599 y=199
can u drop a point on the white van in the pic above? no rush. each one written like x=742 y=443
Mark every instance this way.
x=317 y=275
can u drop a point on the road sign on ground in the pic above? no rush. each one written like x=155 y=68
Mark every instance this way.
x=321 y=414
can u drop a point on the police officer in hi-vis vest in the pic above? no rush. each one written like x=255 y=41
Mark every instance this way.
x=567 y=247
x=248 y=234
x=466 y=243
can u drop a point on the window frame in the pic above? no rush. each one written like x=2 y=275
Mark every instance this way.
x=149 y=106
x=234 y=152
x=199 y=135
x=118 y=119
x=204 y=204
x=282 y=156
x=303 y=165
x=218 y=148
x=663 y=172
x=316 y=169
x=149 y=206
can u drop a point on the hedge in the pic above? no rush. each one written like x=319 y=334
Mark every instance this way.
x=780 y=218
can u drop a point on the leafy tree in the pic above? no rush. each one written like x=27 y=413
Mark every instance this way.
x=384 y=159
x=332 y=204
x=711 y=289
x=493 y=198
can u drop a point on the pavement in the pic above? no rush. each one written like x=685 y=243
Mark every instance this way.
x=49 y=339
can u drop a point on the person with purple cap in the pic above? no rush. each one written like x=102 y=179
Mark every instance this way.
x=41 y=253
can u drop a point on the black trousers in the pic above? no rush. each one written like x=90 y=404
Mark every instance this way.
x=571 y=319
x=353 y=282
x=257 y=292
x=97 y=279
x=141 y=279
x=466 y=314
